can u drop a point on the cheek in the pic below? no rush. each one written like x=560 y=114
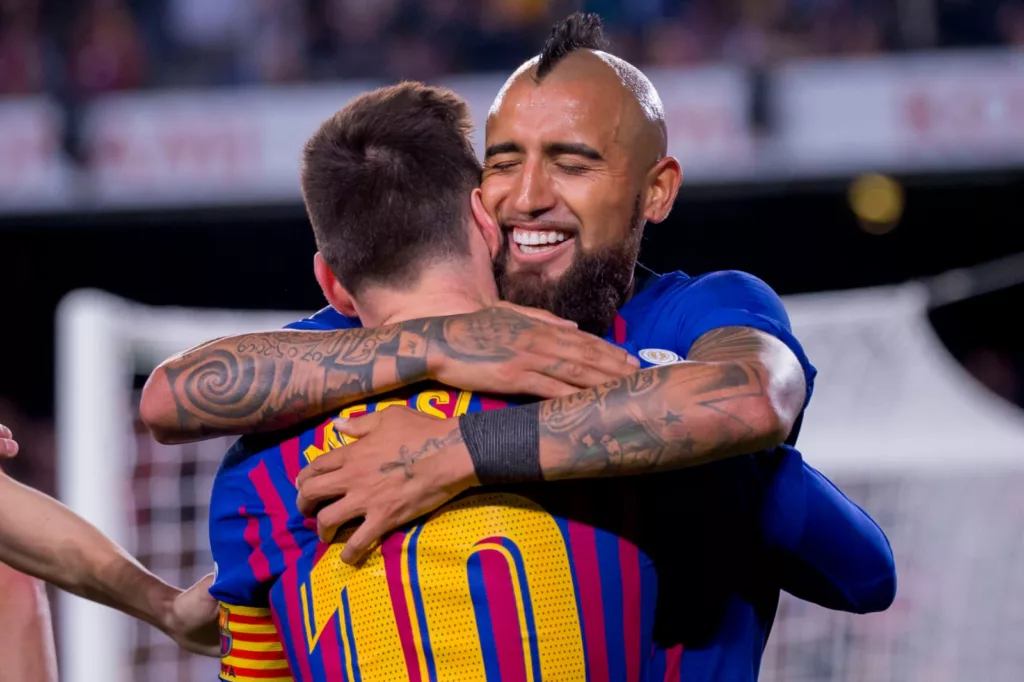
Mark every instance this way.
x=603 y=209
x=493 y=191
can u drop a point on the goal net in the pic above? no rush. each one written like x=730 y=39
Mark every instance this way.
x=933 y=457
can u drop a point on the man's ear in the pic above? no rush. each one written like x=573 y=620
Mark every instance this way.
x=337 y=295
x=662 y=188
x=485 y=223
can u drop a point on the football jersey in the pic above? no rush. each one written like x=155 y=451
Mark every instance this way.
x=744 y=528
x=525 y=582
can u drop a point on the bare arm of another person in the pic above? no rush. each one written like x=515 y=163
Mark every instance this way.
x=26 y=638
x=41 y=537
x=741 y=391
x=268 y=380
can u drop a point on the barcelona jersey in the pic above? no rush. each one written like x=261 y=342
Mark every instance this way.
x=526 y=582
x=742 y=529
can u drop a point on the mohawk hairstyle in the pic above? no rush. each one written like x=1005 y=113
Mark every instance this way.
x=578 y=31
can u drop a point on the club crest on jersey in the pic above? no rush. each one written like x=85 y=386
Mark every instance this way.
x=658 y=356
x=226 y=640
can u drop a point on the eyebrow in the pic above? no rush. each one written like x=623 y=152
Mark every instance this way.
x=574 y=149
x=550 y=149
x=502 y=148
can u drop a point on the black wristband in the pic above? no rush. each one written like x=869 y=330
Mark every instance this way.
x=504 y=444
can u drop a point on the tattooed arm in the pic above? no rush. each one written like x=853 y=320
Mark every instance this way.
x=741 y=391
x=265 y=381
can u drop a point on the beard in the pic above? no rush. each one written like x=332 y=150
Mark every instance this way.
x=591 y=290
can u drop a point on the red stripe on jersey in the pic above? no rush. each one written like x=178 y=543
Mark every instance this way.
x=274 y=506
x=251 y=620
x=588 y=577
x=258 y=655
x=258 y=674
x=257 y=559
x=290 y=455
x=391 y=549
x=619 y=329
x=632 y=596
x=255 y=636
x=673 y=659
x=293 y=611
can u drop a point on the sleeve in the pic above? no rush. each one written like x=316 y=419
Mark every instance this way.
x=251 y=649
x=326 y=319
x=828 y=550
x=736 y=299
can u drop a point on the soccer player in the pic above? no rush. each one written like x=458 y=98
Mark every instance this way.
x=576 y=156
x=499 y=584
x=42 y=538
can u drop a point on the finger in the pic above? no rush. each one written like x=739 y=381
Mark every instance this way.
x=314 y=491
x=6 y=433
x=583 y=349
x=361 y=541
x=335 y=515
x=538 y=314
x=8 y=448
x=327 y=463
x=544 y=386
x=576 y=374
x=204 y=583
x=358 y=427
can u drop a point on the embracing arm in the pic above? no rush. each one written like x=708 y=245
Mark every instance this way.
x=740 y=391
x=268 y=380
x=825 y=548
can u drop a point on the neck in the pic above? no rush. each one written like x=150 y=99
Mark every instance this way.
x=439 y=292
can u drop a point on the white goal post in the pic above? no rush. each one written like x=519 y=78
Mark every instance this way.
x=936 y=459
x=102 y=341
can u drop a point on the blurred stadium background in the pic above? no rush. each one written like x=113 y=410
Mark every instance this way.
x=864 y=157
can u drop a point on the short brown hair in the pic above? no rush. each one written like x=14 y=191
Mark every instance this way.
x=386 y=182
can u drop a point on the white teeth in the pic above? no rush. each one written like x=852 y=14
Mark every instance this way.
x=537 y=237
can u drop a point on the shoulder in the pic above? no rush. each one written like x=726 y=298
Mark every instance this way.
x=326 y=319
x=723 y=288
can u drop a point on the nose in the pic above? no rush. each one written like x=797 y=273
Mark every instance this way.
x=533 y=195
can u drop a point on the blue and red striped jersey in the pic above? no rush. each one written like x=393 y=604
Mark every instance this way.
x=745 y=528
x=525 y=582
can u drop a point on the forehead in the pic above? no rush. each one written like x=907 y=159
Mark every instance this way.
x=532 y=114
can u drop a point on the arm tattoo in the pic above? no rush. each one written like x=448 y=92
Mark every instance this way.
x=667 y=417
x=269 y=380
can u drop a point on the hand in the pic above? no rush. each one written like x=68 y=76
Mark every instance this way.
x=514 y=350
x=190 y=619
x=404 y=465
x=8 y=446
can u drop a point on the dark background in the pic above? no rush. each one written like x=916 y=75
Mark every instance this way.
x=798 y=237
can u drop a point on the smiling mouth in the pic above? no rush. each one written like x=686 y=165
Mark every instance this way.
x=532 y=242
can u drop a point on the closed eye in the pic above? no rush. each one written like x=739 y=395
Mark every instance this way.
x=503 y=165
x=572 y=169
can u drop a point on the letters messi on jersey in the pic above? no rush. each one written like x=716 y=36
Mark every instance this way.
x=521 y=583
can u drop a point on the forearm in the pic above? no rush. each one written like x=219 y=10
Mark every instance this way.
x=43 y=538
x=829 y=551
x=659 y=419
x=268 y=380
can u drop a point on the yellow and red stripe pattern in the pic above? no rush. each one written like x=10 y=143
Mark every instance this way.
x=250 y=648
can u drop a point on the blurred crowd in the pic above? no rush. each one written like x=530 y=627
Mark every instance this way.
x=86 y=47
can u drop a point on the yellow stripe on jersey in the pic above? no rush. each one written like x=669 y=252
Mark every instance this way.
x=250 y=647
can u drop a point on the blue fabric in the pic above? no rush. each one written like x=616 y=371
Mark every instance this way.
x=747 y=527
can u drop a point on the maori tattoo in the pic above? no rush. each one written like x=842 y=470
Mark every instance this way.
x=713 y=406
x=270 y=380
